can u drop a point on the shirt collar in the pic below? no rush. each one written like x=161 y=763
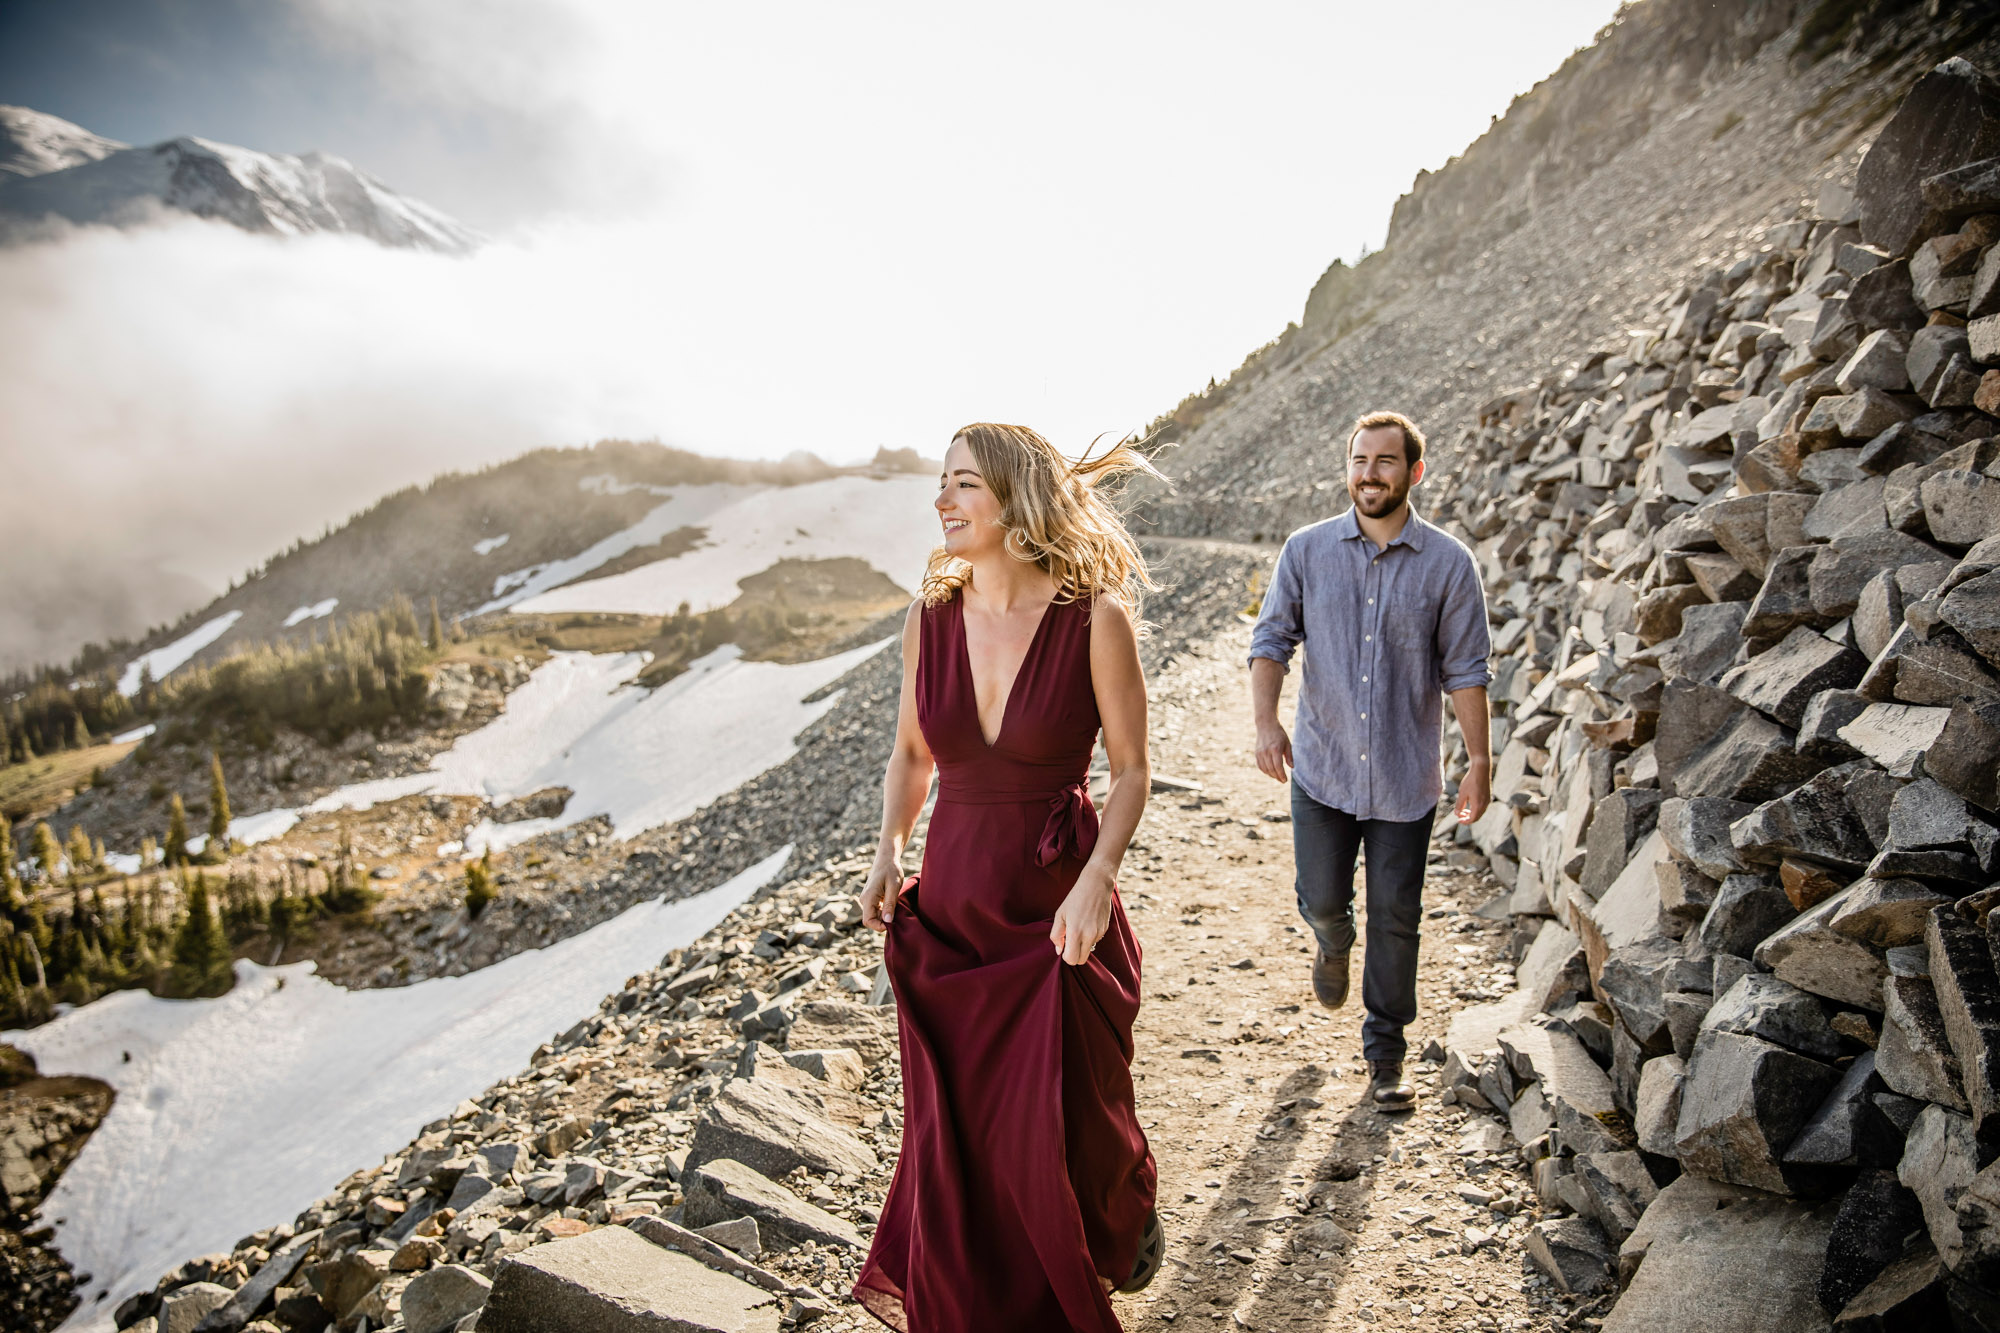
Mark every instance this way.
x=1411 y=536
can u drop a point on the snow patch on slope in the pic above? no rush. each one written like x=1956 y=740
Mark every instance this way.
x=164 y=661
x=489 y=545
x=317 y=611
x=234 y=1113
x=887 y=522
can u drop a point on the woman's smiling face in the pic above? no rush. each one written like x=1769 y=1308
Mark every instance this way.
x=966 y=505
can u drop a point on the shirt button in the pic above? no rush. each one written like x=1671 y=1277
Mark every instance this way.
x=1364 y=680
x=1368 y=638
x=1364 y=717
x=1371 y=601
x=1364 y=758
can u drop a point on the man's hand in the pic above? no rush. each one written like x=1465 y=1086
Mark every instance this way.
x=1475 y=792
x=1274 y=750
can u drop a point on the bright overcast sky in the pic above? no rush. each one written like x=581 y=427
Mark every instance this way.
x=742 y=229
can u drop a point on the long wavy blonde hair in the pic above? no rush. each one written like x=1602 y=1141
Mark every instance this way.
x=1055 y=517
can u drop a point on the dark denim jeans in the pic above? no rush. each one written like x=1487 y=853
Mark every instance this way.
x=1325 y=842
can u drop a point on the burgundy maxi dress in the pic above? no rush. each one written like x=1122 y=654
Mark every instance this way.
x=1024 y=1173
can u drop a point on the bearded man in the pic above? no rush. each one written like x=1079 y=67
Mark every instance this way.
x=1392 y=617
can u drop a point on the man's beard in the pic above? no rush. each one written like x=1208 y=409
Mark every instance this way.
x=1385 y=502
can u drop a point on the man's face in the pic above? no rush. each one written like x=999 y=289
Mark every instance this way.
x=1379 y=476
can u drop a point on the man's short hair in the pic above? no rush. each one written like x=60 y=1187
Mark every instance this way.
x=1413 y=438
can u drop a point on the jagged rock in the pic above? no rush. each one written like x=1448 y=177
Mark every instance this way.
x=1896 y=736
x=1839 y=570
x=1685 y=1010
x=187 y=1306
x=868 y=1031
x=1574 y=1252
x=1961 y=507
x=1658 y=614
x=1720 y=579
x=1811 y=955
x=341 y=1283
x=1779 y=683
x=1934 y=834
x=1696 y=830
x=612 y=1281
x=1879 y=362
x=1876 y=1215
x=723 y=1189
x=1743 y=1102
x=836 y=1065
x=1707 y=643
x=1747 y=909
x=436 y=1300
x=1753 y=527
x=1813 y=821
x=1973 y=609
x=1849 y=1127
x=1965 y=754
x=1883 y=298
x=1658 y=1106
x=1886 y=913
x=1776 y=1011
x=1909 y=1293
x=1848 y=510
x=1710 y=1257
x=738 y=1234
x=771 y=1129
x=1633 y=979
x=1617 y=1188
x=1968 y=1000
x=1686 y=895
x=1931 y=350
x=255 y=1296
x=1555 y=968
x=1806 y=883
x=1621 y=822
x=1785 y=600
x=1941 y=1157
x=1749 y=758
x=1949 y=119
x=1914 y=1056
x=1578 y=1093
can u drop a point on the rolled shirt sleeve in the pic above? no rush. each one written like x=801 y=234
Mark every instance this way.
x=1464 y=643
x=1281 y=620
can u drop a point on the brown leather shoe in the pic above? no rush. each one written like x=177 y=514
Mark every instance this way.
x=1387 y=1087
x=1329 y=978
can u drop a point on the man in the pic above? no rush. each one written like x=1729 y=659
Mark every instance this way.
x=1391 y=614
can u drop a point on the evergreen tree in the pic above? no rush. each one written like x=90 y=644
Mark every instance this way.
x=48 y=853
x=479 y=884
x=437 y=628
x=201 y=951
x=78 y=851
x=10 y=885
x=218 y=808
x=177 y=833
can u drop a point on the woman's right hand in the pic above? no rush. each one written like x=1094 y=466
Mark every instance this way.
x=880 y=895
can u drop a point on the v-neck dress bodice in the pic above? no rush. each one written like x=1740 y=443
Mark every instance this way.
x=1024 y=1173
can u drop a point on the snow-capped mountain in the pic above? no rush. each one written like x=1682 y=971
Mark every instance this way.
x=34 y=142
x=94 y=180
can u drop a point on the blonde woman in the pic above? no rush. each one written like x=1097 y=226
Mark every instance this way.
x=1024 y=1194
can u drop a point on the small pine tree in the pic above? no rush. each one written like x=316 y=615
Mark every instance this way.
x=149 y=853
x=201 y=950
x=437 y=628
x=10 y=887
x=218 y=807
x=479 y=885
x=177 y=833
x=77 y=850
x=48 y=853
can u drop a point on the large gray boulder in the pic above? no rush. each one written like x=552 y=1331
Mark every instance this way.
x=1746 y=910
x=1877 y=1215
x=1657 y=1118
x=1951 y=118
x=1780 y=682
x=1886 y=913
x=1940 y=1159
x=1914 y=1056
x=1712 y=1258
x=438 y=1298
x=1813 y=821
x=721 y=1190
x=1619 y=824
x=1579 y=1094
x=772 y=1129
x=1812 y=955
x=1574 y=1252
x=1743 y=1103
x=1968 y=1000
x=1849 y=1126
x=1696 y=830
x=612 y=1281
x=1764 y=1006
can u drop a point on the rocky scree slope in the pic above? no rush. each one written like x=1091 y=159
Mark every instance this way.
x=1649 y=157
x=1746 y=569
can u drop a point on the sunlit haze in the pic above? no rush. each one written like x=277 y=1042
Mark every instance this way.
x=743 y=230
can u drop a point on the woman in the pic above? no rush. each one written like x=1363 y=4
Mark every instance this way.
x=1024 y=1193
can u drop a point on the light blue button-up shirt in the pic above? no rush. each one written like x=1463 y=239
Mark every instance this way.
x=1388 y=632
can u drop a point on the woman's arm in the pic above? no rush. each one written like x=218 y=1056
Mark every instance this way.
x=904 y=787
x=1120 y=686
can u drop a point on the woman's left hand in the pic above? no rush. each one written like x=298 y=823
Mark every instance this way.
x=1083 y=917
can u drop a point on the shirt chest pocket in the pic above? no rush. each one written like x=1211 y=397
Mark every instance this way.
x=1409 y=624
